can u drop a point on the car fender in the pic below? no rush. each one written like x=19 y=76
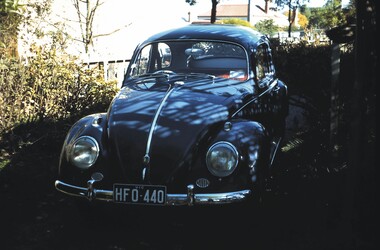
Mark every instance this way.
x=251 y=140
x=92 y=125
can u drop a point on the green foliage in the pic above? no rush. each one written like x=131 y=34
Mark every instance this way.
x=9 y=6
x=3 y=163
x=306 y=67
x=191 y=2
x=236 y=21
x=330 y=15
x=267 y=27
x=291 y=3
x=350 y=11
x=10 y=18
x=302 y=21
x=49 y=87
x=13 y=16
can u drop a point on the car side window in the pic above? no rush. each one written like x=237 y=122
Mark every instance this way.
x=263 y=65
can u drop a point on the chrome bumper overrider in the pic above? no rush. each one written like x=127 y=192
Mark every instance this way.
x=171 y=199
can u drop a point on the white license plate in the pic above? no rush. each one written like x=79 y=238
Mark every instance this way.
x=139 y=194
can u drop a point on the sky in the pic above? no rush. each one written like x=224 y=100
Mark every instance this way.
x=320 y=3
x=135 y=20
x=138 y=19
x=311 y=3
x=154 y=13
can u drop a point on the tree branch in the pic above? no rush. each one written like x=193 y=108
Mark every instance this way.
x=112 y=32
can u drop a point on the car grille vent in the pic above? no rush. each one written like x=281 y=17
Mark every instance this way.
x=202 y=182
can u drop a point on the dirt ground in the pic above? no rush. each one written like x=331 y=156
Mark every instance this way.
x=305 y=209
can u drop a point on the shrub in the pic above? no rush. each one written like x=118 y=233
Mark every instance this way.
x=305 y=67
x=12 y=89
x=236 y=21
x=267 y=27
x=49 y=86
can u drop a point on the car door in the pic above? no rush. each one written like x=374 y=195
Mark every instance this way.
x=271 y=90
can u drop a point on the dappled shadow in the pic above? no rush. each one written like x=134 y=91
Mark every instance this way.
x=303 y=209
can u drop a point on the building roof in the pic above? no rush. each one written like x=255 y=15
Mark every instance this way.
x=227 y=10
x=241 y=11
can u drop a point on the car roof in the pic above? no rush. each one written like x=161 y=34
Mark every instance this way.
x=224 y=32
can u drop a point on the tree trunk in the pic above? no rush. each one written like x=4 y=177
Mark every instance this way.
x=291 y=18
x=213 y=10
x=359 y=210
x=88 y=26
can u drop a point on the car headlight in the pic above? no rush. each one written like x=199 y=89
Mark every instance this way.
x=84 y=152
x=222 y=159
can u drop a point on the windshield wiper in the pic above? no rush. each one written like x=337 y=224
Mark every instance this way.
x=199 y=75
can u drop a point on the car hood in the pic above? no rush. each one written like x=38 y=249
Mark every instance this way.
x=155 y=130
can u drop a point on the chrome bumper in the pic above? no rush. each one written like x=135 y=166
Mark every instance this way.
x=188 y=199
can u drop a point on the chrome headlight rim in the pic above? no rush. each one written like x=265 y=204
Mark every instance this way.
x=92 y=152
x=226 y=145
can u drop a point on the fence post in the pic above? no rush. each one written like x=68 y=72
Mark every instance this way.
x=105 y=70
x=334 y=99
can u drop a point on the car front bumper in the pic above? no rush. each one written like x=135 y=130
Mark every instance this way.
x=189 y=199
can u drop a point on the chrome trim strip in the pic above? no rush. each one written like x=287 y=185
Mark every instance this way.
x=254 y=99
x=154 y=122
x=188 y=199
x=274 y=150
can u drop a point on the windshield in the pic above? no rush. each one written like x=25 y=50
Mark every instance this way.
x=220 y=59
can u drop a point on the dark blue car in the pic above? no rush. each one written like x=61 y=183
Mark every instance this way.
x=198 y=121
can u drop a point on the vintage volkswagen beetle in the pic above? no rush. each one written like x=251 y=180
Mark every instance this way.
x=198 y=121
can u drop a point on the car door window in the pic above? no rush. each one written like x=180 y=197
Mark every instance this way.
x=142 y=62
x=263 y=65
x=152 y=57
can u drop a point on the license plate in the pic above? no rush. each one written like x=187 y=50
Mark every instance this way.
x=139 y=194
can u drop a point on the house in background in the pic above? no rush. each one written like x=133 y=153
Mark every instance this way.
x=247 y=12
